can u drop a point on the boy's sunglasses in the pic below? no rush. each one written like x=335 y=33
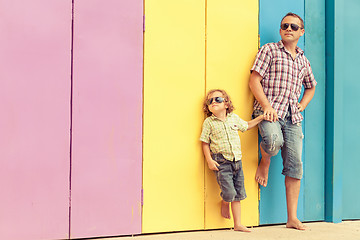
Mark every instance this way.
x=217 y=99
x=293 y=26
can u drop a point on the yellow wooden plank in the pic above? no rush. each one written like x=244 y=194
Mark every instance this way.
x=232 y=41
x=174 y=86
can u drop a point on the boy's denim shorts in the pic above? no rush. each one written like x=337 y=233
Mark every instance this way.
x=230 y=178
x=288 y=137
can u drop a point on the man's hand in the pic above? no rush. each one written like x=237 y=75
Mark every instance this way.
x=270 y=114
x=213 y=165
x=300 y=107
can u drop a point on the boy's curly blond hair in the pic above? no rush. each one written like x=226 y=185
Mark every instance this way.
x=225 y=96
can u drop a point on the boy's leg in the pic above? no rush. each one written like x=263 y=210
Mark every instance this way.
x=225 y=209
x=272 y=141
x=236 y=211
x=224 y=177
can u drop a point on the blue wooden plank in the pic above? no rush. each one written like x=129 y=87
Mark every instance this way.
x=333 y=166
x=346 y=62
x=314 y=145
x=272 y=204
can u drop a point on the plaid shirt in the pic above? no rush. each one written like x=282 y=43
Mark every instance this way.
x=223 y=136
x=283 y=78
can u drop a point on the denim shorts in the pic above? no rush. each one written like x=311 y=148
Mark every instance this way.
x=288 y=137
x=230 y=178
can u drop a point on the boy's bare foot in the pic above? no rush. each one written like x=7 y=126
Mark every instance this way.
x=262 y=172
x=242 y=228
x=225 y=209
x=296 y=224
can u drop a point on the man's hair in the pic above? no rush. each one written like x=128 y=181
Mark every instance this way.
x=225 y=96
x=294 y=15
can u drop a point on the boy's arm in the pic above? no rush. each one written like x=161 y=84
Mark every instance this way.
x=252 y=123
x=211 y=163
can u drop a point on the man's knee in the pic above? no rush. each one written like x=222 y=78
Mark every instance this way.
x=272 y=143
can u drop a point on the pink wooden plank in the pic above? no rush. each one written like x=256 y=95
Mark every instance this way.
x=107 y=118
x=34 y=124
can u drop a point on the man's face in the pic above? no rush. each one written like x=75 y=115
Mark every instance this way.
x=289 y=35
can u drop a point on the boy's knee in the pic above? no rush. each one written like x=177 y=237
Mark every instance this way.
x=229 y=196
x=272 y=143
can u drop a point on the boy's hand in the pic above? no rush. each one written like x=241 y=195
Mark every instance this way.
x=213 y=165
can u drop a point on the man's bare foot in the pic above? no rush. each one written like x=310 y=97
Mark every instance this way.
x=225 y=209
x=262 y=172
x=296 y=224
x=242 y=228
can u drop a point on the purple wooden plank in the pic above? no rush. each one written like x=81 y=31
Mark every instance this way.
x=34 y=124
x=107 y=118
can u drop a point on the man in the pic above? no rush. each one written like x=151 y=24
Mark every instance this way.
x=277 y=76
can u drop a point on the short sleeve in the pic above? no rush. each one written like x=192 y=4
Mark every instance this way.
x=205 y=133
x=262 y=61
x=309 y=79
x=243 y=125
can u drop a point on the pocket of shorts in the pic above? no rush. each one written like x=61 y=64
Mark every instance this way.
x=257 y=113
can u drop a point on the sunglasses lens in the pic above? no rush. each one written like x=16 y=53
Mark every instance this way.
x=284 y=26
x=219 y=99
x=294 y=27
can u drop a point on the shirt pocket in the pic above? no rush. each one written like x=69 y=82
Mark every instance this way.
x=302 y=73
x=235 y=127
x=217 y=134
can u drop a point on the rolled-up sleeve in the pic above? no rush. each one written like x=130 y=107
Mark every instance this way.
x=262 y=61
x=309 y=79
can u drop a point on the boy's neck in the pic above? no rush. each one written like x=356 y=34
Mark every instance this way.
x=221 y=115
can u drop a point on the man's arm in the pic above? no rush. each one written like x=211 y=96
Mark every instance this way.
x=308 y=95
x=258 y=91
x=211 y=163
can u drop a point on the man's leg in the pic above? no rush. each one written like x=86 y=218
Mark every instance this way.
x=262 y=171
x=291 y=153
x=272 y=141
x=292 y=195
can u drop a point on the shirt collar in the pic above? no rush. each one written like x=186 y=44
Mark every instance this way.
x=298 y=50
x=213 y=117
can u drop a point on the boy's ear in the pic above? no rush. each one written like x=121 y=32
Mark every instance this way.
x=226 y=105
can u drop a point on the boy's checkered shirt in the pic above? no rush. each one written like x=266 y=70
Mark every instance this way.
x=223 y=136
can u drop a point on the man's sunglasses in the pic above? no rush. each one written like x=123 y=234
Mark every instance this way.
x=293 y=26
x=216 y=99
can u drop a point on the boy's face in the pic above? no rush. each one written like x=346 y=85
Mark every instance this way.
x=216 y=107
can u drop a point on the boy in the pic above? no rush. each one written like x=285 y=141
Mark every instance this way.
x=222 y=150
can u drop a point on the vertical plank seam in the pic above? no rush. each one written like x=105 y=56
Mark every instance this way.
x=71 y=109
x=143 y=122
x=205 y=72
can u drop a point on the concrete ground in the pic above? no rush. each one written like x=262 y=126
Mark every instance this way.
x=347 y=230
